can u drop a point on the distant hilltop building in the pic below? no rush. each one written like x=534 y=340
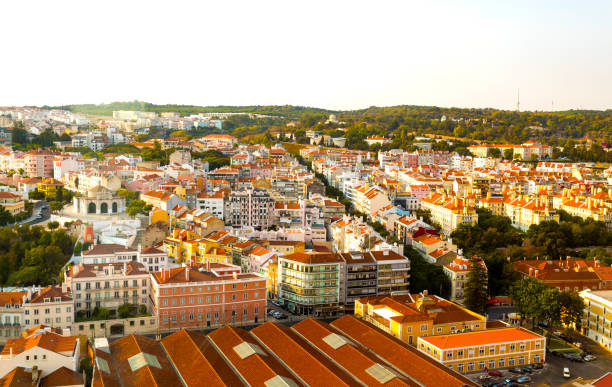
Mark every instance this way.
x=377 y=140
x=133 y=115
x=524 y=151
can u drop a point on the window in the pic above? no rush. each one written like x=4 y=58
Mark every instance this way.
x=460 y=368
x=246 y=296
x=233 y=286
x=459 y=353
x=522 y=347
x=246 y=285
x=165 y=302
x=502 y=362
x=536 y=358
x=512 y=347
x=233 y=297
x=424 y=328
x=510 y=362
x=449 y=355
x=491 y=364
x=491 y=350
x=521 y=360
x=439 y=330
x=481 y=351
x=481 y=364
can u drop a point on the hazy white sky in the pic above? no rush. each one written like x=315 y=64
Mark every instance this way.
x=332 y=54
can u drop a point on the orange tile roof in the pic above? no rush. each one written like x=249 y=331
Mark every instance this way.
x=48 y=340
x=400 y=355
x=476 y=338
x=62 y=377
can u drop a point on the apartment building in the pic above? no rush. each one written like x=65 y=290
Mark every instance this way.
x=217 y=141
x=199 y=296
x=153 y=259
x=52 y=306
x=297 y=214
x=597 y=316
x=449 y=211
x=161 y=199
x=369 y=200
x=309 y=283
x=485 y=350
x=524 y=151
x=567 y=274
x=108 y=286
x=458 y=272
x=525 y=211
x=39 y=163
x=254 y=208
x=410 y=316
x=212 y=202
x=11 y=314
x=11 y=202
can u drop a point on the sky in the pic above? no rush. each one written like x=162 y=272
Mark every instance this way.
x=331 y=54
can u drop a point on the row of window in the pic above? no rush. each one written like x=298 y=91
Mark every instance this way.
x=491 y=363
x=192 y=289
x=191 y=317
x=107 y=295
x=48 y=320
x=48 y=310
x=182 y=300
x=116 y=284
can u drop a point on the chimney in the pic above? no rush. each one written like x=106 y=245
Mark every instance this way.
x=187 y=273
x=530 y=271
x=235 y=275
x=10 y=352
x=64 y=287
x=208 y=265
x=425 y=293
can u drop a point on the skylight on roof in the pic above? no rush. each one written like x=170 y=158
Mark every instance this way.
x=380 y=373
x=102 y=365
x=245 y=350
x=280 y=381
x=335 y=341
x=386 y=313
x=143 y=359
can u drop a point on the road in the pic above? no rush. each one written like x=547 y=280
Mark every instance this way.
x=40 y=207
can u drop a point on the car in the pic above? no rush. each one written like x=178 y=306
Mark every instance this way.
x=282 y=316
x=276 y=314
x=574 y=357
x=526 y=370
x=484 y=377
x=271 y=312
x=510 y=380
x=516 y=370
x=566 y=373
x=496 y=374
x=491 y=384
x=523 y=379
x=537 y=366
x=589 y=358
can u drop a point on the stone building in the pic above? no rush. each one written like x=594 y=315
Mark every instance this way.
x=99 y=200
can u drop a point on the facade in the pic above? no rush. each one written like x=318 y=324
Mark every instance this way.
x=161 y=199
x=485 y=350
x=194 y=297
x=108 y=286
x=567 y=274
x=254 y=208
x=153 y=259
x=448 y=211
x=11 y=202
x=39 y=163
x=458 y=272
x=212 y=202
x=99 y=200
x=410 y=316
x=52 y=306
x=11 y=314
x=309 y=283
x=597 y=317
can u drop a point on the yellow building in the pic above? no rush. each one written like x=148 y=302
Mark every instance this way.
x=597 y=317
x=209 y=251
x=13 y=203
x=181 y=244
x=51 y=188
x=411 y=316
x=159 y=215
x=489 y=349
x=285 y=247
x=449 y=211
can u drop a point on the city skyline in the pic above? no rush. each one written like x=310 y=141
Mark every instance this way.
x=474 y=54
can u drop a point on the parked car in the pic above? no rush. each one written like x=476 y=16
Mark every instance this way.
x=497 y=374
x=510 y=380
x=574 y=357
x=590 y=358
x=566 y=373
x=524 y=379
x=516 y=370
x=537 y=366
x=526 y=370
x=282 y=316
x=484 y=377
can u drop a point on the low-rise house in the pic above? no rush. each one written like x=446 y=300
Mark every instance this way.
x=485 y=350
x=458 y=272
x=51 y=306
x=42 y=348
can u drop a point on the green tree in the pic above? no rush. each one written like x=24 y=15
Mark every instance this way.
x=525 y=296
x=508 y=153
x=475 y=291
x=494 y=152
x=571 y=308
x=125 y=310
x=78 y=248
x=52 y=225
x=127 y=194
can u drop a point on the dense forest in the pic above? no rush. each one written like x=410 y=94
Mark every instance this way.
x=33 y=255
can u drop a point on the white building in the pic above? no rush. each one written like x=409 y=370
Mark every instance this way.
x=43 y=348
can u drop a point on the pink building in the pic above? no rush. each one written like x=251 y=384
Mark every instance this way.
x=39 y=163
x=201 y=296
